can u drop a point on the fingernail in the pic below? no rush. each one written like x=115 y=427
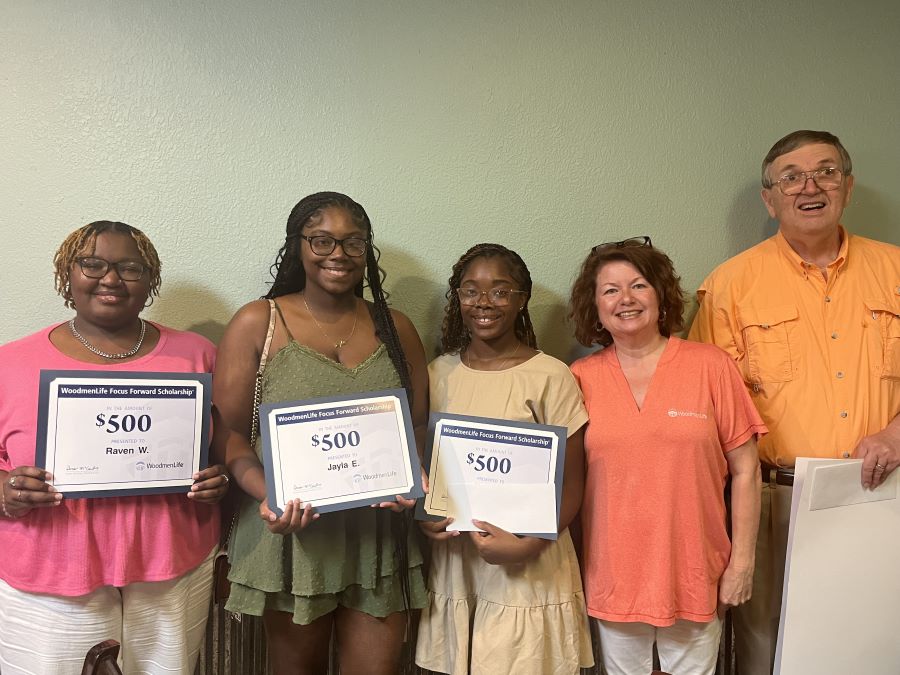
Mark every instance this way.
x=315 y=516
x=58 y=497
x=49 y=476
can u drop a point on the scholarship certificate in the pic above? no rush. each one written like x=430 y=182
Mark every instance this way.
x=105 y=434
x=340 y=452
x=506 y=473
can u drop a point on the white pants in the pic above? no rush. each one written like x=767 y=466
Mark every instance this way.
x=685 y=648
x=160 y=625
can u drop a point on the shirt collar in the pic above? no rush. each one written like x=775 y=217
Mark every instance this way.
x=798 y=263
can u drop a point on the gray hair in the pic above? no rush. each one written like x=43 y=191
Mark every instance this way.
x=797 y=139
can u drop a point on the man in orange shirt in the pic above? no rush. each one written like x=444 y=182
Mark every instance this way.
x=811 y=316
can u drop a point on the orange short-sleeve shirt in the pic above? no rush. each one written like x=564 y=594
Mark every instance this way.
x=655 y=543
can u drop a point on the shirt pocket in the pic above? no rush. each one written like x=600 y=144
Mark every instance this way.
x=770 y=342
x=887 y=315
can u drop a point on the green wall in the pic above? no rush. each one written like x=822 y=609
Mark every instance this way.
x=545 y=126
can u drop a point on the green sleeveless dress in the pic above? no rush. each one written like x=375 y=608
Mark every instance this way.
x=345 y=558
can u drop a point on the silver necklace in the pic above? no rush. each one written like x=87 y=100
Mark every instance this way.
x=106 y=355
x=338 y=343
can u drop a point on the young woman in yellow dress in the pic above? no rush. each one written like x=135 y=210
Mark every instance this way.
x=500 y=603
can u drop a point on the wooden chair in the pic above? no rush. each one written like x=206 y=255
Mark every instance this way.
x=101 y=659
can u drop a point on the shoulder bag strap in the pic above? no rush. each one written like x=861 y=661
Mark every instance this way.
x=257 y=384
x=254 y=429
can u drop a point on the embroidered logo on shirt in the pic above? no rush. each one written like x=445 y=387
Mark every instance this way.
x=685 y=413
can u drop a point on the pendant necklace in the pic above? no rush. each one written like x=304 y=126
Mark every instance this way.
x=106 y=355
x=506 y=359
x=337 y=343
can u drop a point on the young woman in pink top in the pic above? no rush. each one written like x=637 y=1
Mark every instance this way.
x=75 y=572
x=670 y=422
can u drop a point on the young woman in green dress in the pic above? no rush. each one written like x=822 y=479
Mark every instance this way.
x=355 y=572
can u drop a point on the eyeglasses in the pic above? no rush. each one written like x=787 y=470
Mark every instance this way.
x=322 y=244
x=499 y=297
x=631 y=241
x=828 y=178
x=97 y=268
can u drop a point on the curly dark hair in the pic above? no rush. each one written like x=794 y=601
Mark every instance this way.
x=83 y=241
x=654 y=265
x=454 y=335
x=290 y=277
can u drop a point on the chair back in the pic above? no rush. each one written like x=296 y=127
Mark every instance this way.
x=101 y=659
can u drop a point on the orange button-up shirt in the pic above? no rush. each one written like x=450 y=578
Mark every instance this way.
x=821 y=357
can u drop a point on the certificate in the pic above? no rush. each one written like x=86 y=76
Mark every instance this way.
x=340 y=452
x=107 y=434
x=507 y=473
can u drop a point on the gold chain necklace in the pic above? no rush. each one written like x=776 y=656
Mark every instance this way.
x=506 y=359
x=338 y=343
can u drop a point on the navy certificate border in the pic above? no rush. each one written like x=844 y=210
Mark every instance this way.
x=267 y=409
x=48 y=377
x=561 y=434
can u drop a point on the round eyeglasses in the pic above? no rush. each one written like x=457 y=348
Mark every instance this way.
x=828 y=178
x=498 y=297
x=97 y=268
x=322 y=244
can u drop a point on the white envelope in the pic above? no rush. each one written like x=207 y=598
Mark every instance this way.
x=839 y=484
x=515 y=507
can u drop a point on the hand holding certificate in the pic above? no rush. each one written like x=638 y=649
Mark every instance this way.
x=506 y=473
x=340 y=452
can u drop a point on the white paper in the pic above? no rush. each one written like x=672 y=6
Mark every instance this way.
x=513 y=507
x=841 y=602
x=840 y=484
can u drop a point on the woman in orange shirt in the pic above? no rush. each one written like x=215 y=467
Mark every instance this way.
x=669 y=422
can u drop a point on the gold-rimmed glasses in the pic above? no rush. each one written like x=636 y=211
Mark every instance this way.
x=827 y=178
x=498 y=297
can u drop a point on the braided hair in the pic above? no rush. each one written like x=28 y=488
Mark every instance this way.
x=290 y=277
x=455 y=336
x=84 y=240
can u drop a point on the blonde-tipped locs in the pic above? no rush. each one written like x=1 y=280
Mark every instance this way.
x=82 y=242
